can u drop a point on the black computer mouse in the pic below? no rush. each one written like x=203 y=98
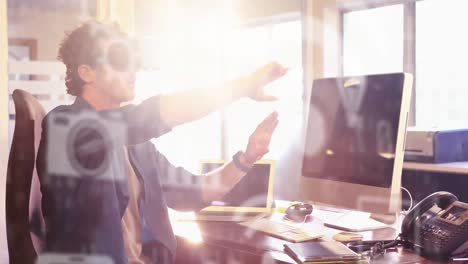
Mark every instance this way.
x=299 y=211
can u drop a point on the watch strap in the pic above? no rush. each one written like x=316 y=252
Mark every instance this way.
x=238 y=164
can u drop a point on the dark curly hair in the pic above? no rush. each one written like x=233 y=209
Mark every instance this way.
x=81 y=46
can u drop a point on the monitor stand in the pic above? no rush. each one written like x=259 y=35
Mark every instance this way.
x=356 y=221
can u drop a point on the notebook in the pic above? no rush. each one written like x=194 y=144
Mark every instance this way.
x=321 y=252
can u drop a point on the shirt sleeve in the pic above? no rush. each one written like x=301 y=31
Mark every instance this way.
x=143 y=121
x=182 y=189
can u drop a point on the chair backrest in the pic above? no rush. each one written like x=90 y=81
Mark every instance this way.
x=23 y=197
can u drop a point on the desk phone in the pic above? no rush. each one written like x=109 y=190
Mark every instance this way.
x=437 y=227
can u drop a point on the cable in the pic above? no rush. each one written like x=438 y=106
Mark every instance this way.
x=374 y=249
x=411 y=199
x=300 y=223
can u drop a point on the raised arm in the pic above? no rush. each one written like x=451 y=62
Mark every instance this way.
x=187 y=106
x=230 y=174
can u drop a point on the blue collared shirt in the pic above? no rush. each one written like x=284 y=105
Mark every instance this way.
x=83 y=215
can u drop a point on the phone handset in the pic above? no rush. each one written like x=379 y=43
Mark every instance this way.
x=441 y=199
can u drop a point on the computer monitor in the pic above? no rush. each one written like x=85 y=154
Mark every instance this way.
x=354 y=142
x=253 y=194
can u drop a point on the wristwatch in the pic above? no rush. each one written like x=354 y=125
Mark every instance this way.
x=237 y=162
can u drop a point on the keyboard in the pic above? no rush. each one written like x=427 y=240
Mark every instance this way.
x=282 y=231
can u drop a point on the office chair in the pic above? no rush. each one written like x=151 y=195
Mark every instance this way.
x=24 y=220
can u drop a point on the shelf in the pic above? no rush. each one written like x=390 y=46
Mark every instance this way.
x=453 y=167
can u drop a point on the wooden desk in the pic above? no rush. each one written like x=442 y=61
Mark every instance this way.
x=227 y=242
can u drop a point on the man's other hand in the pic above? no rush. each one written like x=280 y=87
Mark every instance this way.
x=261 y=77
x=259 y=140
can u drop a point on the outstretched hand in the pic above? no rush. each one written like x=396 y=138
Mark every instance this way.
x=259 y=140
x=261 y=77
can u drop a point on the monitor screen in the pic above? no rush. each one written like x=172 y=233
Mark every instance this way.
x=352 y=129
x=251 y=191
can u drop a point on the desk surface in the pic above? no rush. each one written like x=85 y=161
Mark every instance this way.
x=235 y=240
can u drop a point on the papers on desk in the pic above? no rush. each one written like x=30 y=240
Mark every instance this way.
x=283 y=230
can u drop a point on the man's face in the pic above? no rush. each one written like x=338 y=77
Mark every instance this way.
x=115 y=71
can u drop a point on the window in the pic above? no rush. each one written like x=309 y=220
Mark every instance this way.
x=235 y=53
x=251 y=47
x=441 y=63
x=367 y=48
x=434 y=51
x=189 y=143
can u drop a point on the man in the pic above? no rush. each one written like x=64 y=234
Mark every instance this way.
x=128 y=220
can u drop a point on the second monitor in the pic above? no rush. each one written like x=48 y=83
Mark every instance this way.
x=354 y=143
